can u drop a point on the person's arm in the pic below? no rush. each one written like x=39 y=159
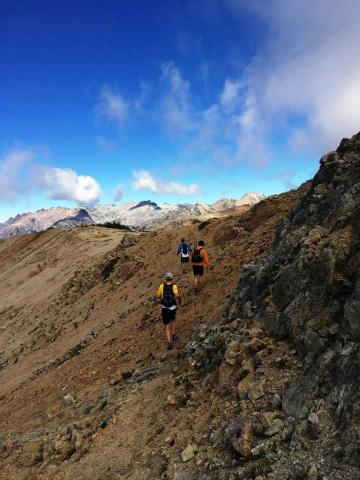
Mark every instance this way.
x=177 y=294
x=159 y=292
x=206 y=258
x=189 y=248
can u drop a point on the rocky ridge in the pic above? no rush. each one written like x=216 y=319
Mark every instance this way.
x=306 y=291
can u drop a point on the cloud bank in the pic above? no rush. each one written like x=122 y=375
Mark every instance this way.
x=21 y=172
x=143 y=180
x=306 y=77
x=303 y=84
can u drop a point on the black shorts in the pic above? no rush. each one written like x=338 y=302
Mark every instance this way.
x=198 y=270
x=168 y=315
x=184 y=260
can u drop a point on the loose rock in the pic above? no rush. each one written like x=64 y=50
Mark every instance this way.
x=188 y=453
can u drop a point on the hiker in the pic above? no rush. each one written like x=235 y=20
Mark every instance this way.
x=199 y=260
x=169 y=298
x=184 y=249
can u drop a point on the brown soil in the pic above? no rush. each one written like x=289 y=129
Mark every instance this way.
x=78 y=317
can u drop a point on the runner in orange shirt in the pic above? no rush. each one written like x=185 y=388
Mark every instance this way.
x=199 y=261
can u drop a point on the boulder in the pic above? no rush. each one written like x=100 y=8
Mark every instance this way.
x=244 y=385
x=64 y=448
x=231 y=353
x=226 y=374
x=68 y=400
x=256 y=390
x=242 y=434
x=313 y=472
x=313 y=427
x=276 y=401
x=189 y=452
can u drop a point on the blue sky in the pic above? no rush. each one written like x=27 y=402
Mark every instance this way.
x=173 y=100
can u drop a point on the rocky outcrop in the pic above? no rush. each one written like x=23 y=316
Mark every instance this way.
x=80 y=219
x=307 y=291
x=113 y=267
x=146 y=203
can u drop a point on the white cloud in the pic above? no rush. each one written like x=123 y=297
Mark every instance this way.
x=176 y=108
x=65 y=184
x=228 y=131
x=143 y=180
x=304 y=82
x=230 y=93
x=21 y=173
x=307 y=69
x=111 y=106
x=118 y=193
x=252 y=133
x=11 y=182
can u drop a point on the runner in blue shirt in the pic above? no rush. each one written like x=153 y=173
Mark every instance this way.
x=184 y=250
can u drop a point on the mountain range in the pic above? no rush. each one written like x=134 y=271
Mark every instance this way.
x=142 y=214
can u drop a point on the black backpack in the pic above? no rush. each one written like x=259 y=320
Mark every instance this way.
x=196 y=256
x=184 y=248
x=168 y=297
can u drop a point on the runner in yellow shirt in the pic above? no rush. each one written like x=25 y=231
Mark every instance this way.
x=169 y=297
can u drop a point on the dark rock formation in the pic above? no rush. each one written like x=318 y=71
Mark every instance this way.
x=307 y=290
x=146 y=203
x=81 y=218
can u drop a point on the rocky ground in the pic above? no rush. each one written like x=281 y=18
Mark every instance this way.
x=261 y=383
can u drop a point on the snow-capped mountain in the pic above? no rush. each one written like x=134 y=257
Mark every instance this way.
x=132 y=214
x=249 y=198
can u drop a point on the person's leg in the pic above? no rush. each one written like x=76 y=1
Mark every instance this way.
x=173 y=324
x=183 y=265
x=167 y=324
x=194 y=274
x=200 y=280
x=168 y=333
x=173 y=321
x=197 y=282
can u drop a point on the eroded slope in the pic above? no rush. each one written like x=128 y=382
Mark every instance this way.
x=87 y=391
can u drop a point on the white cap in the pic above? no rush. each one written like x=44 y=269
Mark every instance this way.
x=168 y=276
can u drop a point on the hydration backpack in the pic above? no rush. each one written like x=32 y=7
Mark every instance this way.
x=184 y=249
x=168 y=297
x=196 y=256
